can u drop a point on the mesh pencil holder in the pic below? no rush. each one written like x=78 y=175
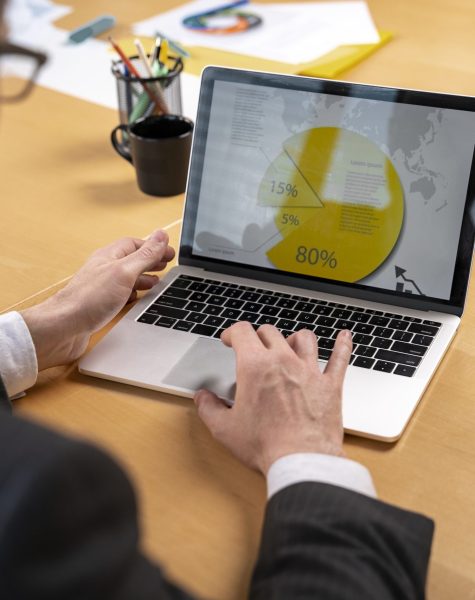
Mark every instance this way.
x=145 y=96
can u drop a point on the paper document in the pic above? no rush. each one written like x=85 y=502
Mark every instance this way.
x=79 y=70
x=295 y=33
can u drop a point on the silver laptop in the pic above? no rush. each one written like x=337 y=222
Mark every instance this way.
x=316 y=204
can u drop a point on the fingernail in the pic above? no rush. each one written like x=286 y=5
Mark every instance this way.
x=347 y=334
x=159 y=236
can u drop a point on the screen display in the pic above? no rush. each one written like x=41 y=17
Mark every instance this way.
x=343 y=188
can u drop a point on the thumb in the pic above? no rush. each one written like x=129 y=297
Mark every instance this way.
x=149 y=255
x=211 y=410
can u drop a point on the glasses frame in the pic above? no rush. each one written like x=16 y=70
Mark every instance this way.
x=6 y=49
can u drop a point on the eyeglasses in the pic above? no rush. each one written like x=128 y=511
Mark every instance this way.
x=24 y=65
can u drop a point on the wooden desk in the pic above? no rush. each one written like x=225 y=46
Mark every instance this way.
x=65 y=192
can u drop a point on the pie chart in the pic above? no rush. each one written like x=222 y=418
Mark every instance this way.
x=339 y=204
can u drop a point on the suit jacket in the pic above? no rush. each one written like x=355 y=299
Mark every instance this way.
x=68 y=530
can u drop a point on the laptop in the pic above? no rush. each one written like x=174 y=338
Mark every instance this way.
x=313 y=204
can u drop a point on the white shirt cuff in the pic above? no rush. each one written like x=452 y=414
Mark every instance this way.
x=322 y=468
x=18 y=364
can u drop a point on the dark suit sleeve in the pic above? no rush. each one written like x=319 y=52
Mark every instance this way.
x=325 y=542
x=68 y=523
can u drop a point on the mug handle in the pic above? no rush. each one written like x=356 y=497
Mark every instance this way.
x=120 y=147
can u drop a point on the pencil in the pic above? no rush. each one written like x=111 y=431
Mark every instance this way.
x=148 y=70
x=135 y=73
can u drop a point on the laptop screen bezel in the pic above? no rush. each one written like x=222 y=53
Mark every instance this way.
x=346 y=89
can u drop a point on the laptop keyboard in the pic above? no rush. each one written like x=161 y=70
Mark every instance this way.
x=382 y=341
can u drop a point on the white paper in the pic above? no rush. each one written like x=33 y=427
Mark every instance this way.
x=80 y=70
x=294 y=33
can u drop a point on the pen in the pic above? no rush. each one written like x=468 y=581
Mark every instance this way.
x=174 y=45
x=135 y=73
x=163 y=54
x=91 y=28
x=155 y=53
x=143 y=57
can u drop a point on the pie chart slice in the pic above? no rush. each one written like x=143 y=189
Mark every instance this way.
x=339 y=201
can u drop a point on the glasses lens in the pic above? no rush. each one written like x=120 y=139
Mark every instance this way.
x=17 y=72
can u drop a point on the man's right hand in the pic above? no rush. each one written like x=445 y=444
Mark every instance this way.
x=284 y=404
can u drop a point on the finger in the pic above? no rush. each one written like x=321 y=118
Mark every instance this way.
x=241 y=337
x=271 y=337
x=340 y=357
x=212 y=411
x=145 y=282
x=132 y=297
x=151 y=253
x=119 y=248
x=304 y=344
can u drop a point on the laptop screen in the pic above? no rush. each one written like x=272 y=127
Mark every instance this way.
x=352 y=184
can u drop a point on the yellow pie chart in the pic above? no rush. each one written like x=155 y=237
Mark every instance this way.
x=339 y=204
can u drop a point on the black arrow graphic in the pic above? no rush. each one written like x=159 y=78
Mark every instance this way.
x=400 y=273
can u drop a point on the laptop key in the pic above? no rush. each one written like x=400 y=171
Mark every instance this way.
x=270 y=310
x=250 y=296
x=214 y=321
x=304 y=306
x=165 y=322
x=300 y=325
x=232 y=293
x=181 y=283
x=147 y=318
x=360 y=317
x=363 y=328
x=233 y=303
x=326 y=321
x=195 y=306
x=228 y=323
x=322 y=331
x=218 y=333
x=285 y=324
x=183 y=325
x=405 y=370
x=268 y=299
x=432 y=323
x=286 y=333
x=215 y=289
x=326 y=343
x=172 y=301
x=286 y=303
x=409 y=348
x=380 y=342
x=306 y=317
x=231 y=313
x=344 y=324
x=266 y=320
x=199 y=297
x=397 y=357
x=168 y=311
x=177 y=292
x=339 y=313
x=398 y=324
x=404 y=336
x=363 y=361
x=216 y=300
x=365 y=351
x=422 y=340
x=286 y=313
x=249 y=316
x=211 y=309
x=321 y=309
x=195 y=317
x=196 y=286
x=384 y=366
x=381 y=321
x=382 y=332
x=324 y=354
x=361 y=338
x=206 y=330
x=423 y=329
x=412 y=319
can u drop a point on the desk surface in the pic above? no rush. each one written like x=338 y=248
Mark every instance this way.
x=65 y=192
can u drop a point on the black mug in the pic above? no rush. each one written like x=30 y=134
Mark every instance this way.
x=159 y=148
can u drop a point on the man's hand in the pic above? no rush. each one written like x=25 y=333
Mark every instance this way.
x=62 y=325
x=284 y=404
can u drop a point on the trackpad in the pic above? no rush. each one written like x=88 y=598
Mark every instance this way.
x=208 y=364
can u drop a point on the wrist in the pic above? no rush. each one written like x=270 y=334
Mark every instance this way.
x=51 y=324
